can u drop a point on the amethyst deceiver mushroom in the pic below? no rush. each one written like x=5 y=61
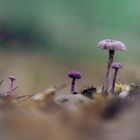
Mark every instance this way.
x=74 y=75
x=111 y=46
x=12 y=78
x=116 y=67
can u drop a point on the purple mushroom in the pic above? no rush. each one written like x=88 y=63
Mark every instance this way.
x=12 y=78
x=111 y=46
x=75 y=75
x=116 y=67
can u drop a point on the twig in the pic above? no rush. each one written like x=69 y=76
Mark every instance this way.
x=1 y=82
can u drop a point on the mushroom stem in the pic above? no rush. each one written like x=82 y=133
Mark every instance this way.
x=11 y=88
x=114 y=81
x=73 y=85
x=107 y=80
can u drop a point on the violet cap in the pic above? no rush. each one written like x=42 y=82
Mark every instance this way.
x=74 y=74
x=116 y=66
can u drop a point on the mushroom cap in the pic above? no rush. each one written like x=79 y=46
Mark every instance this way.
x=116 y=66
x=74 y=74
x=12 y=77
x=110 y=44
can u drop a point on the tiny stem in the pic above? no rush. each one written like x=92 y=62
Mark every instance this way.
x=11 y=88
x=73 y=85
x=114 y=80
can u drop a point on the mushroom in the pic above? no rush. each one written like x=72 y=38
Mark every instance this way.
x=12 y=78
x=111 y=46
x=75 y=75
x=115 y=66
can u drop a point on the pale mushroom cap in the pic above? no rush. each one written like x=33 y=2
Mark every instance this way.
x=110 y=44
x=12 y=77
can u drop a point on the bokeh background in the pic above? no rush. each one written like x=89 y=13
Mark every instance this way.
x=41 y=40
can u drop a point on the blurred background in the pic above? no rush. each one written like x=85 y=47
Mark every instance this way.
x=41 y=40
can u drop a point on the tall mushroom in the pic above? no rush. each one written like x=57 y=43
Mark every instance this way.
x=111 y=46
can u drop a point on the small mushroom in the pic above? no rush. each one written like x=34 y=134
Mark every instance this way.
x=12 y=78
x=115 y=66
x=111 y=46
x=75 y=75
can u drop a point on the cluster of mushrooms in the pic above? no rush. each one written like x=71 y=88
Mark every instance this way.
x=110 y=84
x=94 y=113
x=111 y=88
x=111 y=46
